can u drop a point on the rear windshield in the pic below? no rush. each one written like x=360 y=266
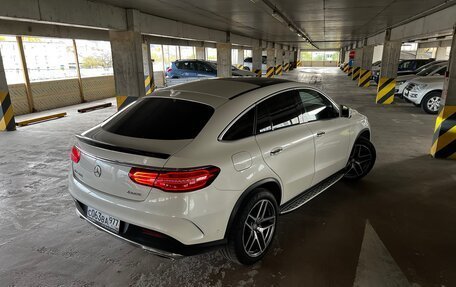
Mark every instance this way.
x=161 y=119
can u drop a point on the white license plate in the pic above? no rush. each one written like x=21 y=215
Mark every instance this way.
x=103 y=219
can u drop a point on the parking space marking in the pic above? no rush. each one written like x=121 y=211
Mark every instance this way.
x=376 y=267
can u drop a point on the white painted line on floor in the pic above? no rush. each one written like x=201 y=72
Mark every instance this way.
x=376 y=267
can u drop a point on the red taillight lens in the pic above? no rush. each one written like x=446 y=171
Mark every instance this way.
x=169 y=70
x=75 y=154
x=143 y=176
x=176 y=181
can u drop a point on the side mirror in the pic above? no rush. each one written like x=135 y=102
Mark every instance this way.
x=344 y=111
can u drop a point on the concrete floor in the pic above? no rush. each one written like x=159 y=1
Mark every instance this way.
x=396 y=227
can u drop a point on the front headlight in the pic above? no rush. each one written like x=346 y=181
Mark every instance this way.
x=419 y=87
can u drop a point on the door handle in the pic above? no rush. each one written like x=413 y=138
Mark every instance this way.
x=319 y=134
x=276 y=151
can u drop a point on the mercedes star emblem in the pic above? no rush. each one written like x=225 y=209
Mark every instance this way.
x=97 y=171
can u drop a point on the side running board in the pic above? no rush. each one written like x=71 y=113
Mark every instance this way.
x=307 y=195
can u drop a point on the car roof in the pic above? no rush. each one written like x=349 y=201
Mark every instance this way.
x=218 y=90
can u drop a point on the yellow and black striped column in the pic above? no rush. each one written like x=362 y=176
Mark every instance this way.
x=258 y=73
x=123 y=101
x=355 y=73
x=346 y=68
x=349 y=71
x=364 y=78
x=385 y=90
x=279 y=70
x=298 y=63
x=286 y=67
x=149 y=85
x=444 y=139
x=7 y=122
x=270 y=72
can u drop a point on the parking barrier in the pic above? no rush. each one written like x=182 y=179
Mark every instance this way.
x=364 y=78
x=278 y=70
x=385 y=90
x=93 y=108
x=40 y=119
x=270 y=72
x=7 y=122
x=444 y=139
x=355 y=73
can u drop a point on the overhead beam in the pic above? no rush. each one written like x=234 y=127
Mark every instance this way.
x=428 y=25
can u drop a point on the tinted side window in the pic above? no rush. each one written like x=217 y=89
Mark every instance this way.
x=277 y=112
x=441 y=71
x=316 y=107
x=185 y=65
x=242 y=128
x=202 y=67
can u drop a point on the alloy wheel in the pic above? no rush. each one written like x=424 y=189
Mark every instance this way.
x=433 y=104
x=259 y=228
x=360 y=161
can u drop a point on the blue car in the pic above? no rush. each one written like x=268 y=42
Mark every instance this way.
x=199 y=69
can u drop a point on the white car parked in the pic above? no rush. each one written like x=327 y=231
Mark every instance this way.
x=425 y=92
x=213 y=163
x=429 y=70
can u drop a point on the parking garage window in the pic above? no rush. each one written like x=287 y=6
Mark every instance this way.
x=11 y=60
x=94 y=58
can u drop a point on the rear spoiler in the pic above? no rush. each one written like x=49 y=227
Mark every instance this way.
x=112 y=147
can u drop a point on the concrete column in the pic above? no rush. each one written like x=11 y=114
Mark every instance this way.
x=441 y=53
x=279 y=61
x=365 y=73
x=295 y=58
x=200 y=53
x=223 y=59
x=444 y=139
x=388 y=71
x=270 y=61
x=149 y=82
x=240 y=58
x=298 y=58
x=7 y=122
x=128 y=61
x=286 y=60
x=342 y=55
x=357 y=61
x=257 y=60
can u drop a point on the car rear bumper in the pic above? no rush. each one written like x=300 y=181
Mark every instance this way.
x=149 y=240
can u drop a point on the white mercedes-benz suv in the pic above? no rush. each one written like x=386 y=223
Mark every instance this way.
x=213 y=163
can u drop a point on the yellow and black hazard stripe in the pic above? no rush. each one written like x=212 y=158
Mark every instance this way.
x=286 y=67
x=298 y=63
x=444 y=140
x=278 y=70
x=150 y=86
x=239 y=66
x=364 y=78
x=346 y=67
x=123 y=101
x=349 y=71
x=355 y=73
x=7 y=122
x=385 y=90
x=258 y=72
x=270 y=72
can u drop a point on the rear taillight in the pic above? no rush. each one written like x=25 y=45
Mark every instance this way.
x=169 y=70
x=75 y=154
x=176 y=180
x=143 y=176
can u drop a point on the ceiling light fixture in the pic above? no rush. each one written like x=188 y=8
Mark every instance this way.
x=278 y=17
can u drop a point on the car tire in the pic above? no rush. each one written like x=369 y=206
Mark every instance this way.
x=253 y=229
x=431 y=102
x=361 y=161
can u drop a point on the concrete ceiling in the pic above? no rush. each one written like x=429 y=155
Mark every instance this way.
x=329 y=23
